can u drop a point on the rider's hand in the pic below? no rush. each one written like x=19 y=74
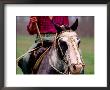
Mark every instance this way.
x=33 y=19
x=32 y=25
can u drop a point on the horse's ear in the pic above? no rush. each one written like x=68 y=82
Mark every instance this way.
x=75 y=25
x=58 y=28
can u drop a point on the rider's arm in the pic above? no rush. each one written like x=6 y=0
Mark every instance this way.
x=31 y=27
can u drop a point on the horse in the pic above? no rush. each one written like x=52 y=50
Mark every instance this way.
x=62 y=56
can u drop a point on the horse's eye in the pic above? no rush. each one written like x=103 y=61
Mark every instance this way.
x=77 y=38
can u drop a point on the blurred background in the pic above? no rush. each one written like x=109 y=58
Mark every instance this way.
x=85 y=28
x=85 y=32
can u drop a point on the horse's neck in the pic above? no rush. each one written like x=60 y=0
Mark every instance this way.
x=54 y=60
x=53 y=56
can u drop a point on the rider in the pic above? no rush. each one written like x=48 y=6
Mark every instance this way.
x=45 y=25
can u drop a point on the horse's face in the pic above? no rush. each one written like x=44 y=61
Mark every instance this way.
x=71 y=53
x=68 y=43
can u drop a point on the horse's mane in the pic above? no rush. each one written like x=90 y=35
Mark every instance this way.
x=46 y=44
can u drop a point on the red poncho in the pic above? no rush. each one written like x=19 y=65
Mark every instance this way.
x=45 y=24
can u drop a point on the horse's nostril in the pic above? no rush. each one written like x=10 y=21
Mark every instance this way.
x=74 y=67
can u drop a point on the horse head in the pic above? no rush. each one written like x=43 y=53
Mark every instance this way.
x=68 y=47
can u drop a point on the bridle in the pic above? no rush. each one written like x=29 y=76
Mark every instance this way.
x=75 y=47
x=64 y=55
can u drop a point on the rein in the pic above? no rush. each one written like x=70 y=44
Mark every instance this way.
x=29 y=51
x=38 y=31
x=39 y=60
x=64 y=55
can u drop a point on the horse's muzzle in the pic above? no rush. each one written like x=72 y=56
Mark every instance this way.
x=76 y=69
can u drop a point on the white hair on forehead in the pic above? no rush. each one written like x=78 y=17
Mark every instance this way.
x=66 y=35
x=71 y=33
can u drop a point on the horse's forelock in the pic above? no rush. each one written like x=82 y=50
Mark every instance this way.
x=69 y=34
